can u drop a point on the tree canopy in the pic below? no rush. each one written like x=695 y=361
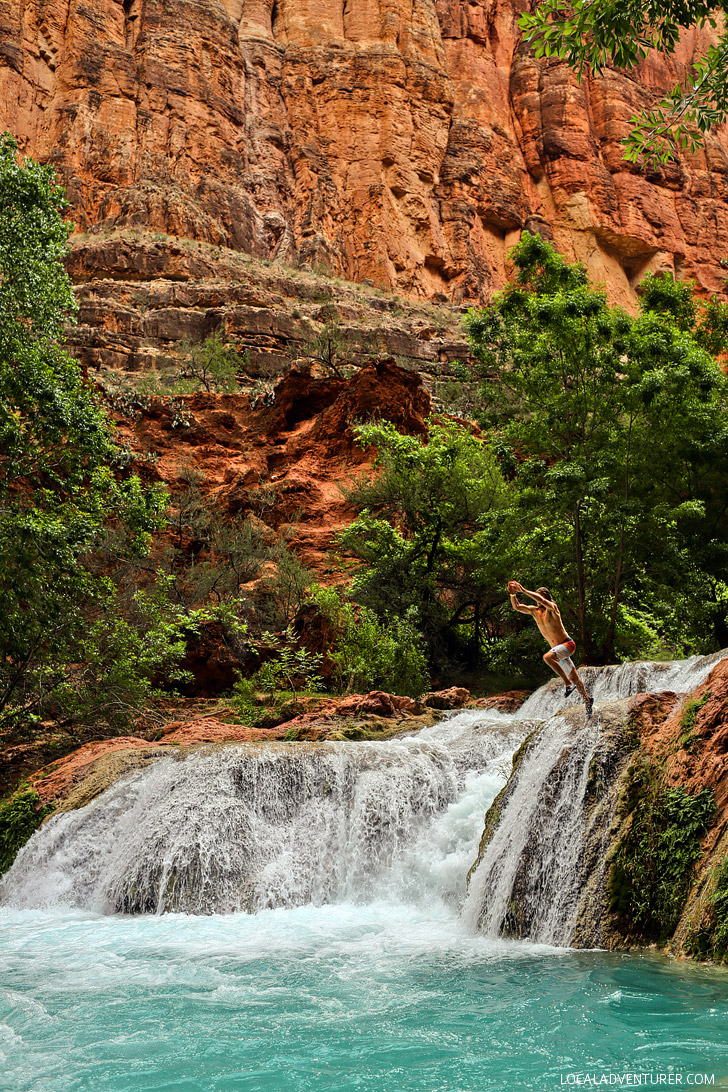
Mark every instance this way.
x=613 y=433
x=601 y=471
x=421 y=533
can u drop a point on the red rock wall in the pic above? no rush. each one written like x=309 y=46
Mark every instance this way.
x=404 y=142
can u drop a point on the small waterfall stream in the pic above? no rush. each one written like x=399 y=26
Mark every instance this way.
x=527 y=883
x=256 y=826
x=534 y=869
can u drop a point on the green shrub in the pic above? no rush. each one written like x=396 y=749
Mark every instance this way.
x=212 y=364
x=244 y=699
x=20 y=816
x=652 y=868
x=688 y=738
x=708 y=938
x=720 y=910
x=371 y=654
x=289 y=672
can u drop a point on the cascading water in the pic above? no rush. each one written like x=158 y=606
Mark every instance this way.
x=527 y=882
x=622 y=681
x=356 y=970
x=248 y=827
x=531 y=874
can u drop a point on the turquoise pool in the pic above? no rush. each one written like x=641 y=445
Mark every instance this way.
x=381 y=997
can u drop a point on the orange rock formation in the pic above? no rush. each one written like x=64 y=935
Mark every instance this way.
x=402 y=143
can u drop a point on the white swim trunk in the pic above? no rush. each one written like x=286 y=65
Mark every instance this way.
x=564 y=653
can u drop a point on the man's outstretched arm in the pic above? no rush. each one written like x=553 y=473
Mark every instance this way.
x=540 y=600
x=522 y=608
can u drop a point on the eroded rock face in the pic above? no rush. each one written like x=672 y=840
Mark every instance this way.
x=402 y=143
x=293 y=453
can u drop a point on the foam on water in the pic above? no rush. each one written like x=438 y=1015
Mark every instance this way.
x=339 y=997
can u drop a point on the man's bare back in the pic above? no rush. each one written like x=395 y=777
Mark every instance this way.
x=547 y=617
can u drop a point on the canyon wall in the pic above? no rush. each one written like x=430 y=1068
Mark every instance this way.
x=401 y=142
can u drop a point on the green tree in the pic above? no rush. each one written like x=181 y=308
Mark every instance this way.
x=329 y=349
x=593 y=34
x=423 y=531
x=213 y=364
x=608 y=428
x=63 y=478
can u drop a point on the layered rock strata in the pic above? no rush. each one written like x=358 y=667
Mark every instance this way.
x=403 y=143
x=142 y=297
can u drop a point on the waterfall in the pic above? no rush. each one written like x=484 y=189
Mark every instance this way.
x=253 y=826
x=547 y=843
x=528 y=880
x=622 y=681
x=247 y=826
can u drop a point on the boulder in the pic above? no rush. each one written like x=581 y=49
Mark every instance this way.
x=507 y=702
x=455 y=697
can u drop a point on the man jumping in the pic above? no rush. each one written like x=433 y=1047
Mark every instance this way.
x=547 y=617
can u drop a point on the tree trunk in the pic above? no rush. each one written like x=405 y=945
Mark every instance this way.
x=609 y=653
x=580 y=580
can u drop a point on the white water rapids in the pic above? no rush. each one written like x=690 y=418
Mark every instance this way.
x=255 y=826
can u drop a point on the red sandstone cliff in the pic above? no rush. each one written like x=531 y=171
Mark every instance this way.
x=403 y=143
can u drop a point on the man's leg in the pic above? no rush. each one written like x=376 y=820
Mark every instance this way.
x=576 y=680
x=552 y=661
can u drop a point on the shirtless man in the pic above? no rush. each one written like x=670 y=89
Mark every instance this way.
x=547 y=617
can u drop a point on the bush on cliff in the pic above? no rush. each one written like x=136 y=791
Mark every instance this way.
x=719 y=901
x=707 y=937
x=20 y=816
x=212 y=364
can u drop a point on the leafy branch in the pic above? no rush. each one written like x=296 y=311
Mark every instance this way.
x=591 y=35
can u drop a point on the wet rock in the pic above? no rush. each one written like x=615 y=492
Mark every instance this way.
x=507 y=702
x=455 y=697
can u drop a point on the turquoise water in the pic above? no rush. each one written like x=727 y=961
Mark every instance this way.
x=370 y=998
x=355 y=971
